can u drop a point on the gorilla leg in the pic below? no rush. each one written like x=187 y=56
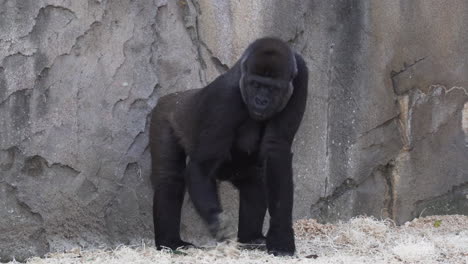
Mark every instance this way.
x=168 y=162
x=279 y=183
x=253 y=206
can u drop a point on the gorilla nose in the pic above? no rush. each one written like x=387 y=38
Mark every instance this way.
x=261 y=102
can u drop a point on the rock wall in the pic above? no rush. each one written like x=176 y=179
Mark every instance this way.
x=385 y=132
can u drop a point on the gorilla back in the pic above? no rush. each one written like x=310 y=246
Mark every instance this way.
x=239 y=128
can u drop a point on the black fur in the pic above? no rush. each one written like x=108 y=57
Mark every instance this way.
x=238 y=128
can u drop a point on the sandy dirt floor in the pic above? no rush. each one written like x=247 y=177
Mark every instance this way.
x=434 y=239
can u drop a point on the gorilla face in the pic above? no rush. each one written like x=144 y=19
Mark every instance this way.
x=265 y=96
x=266 y=80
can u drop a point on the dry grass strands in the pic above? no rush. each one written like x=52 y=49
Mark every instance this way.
x=434 y=239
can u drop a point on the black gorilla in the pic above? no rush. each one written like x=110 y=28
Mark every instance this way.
x=238 y=128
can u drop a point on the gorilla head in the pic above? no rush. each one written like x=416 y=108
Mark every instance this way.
x=268 y=67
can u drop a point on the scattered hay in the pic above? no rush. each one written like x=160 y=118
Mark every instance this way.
x=434 y=239
x=311 y=228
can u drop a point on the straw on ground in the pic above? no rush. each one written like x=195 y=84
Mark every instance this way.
x=434 y=239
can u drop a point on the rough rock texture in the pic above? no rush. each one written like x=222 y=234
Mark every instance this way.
x=385 y=132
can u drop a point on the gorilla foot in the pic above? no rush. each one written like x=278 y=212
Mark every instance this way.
x=281 y=242
x=280 y=253
x=258 y=243
x=174 y=245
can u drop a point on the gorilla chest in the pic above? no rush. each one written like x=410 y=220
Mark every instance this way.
x=248 y=138
x=243 y=152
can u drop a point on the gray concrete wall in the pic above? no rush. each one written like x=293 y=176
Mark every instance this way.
x=385 y=132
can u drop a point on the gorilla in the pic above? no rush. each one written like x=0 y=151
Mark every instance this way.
x=238 y=128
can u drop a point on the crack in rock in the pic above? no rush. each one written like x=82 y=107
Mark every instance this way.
x=34 y=166
x=406 y=67
x=453 y=201
x=324 y=202
x=192 y=10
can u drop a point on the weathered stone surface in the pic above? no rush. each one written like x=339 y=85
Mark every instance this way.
x=78 y=80
x=399 y=56
x=385 y=132
x=436 y=157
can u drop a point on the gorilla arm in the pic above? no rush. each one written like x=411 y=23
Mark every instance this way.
x=276 y=152
x=220 y=112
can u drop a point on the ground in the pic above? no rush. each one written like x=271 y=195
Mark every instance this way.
x=433 y=239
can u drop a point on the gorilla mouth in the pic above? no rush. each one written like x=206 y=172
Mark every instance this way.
x=259 y=115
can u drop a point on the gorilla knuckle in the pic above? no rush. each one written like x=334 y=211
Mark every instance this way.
x=222 y=228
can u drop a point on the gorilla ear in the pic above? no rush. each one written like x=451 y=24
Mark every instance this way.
x=243 y=60
x=290 y=86
x=294 y=65
x=286 y=97
x=243 y=72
